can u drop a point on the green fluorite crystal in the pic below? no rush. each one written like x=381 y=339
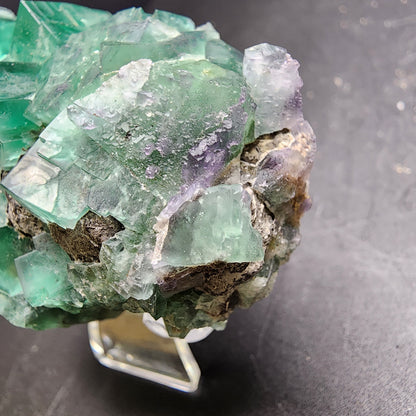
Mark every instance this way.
x=43 y=275
x=11 y=247
x=215 y=227
x=7 y=23
x=3 y=209
x=18 y=82
x=44 y=26
x=163 y=170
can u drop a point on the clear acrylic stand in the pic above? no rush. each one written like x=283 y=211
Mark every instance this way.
x=139 y=345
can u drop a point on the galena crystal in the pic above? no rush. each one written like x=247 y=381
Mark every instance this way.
x=147 y=166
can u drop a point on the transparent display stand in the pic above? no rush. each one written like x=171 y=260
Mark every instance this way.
x=139 y=345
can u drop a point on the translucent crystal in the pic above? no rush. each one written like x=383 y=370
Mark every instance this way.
x=43 y=275
x=272 y=75
x=3 y=208
x=7 y=23
x=198 y=153
x=18 y=81
x=215 y=227
x=43 y=26
x=11 y=248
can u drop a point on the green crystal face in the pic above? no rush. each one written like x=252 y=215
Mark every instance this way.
x=11 y=247
x=215 y=227
x=18 y=81
x=44 y=26
x=3 y=209
x=7 y=24
x=197 y=154
x=43 y=275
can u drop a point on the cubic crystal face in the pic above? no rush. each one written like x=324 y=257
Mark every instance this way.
x=146 y=166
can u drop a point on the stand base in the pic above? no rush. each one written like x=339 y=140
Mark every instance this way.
x=126 y=344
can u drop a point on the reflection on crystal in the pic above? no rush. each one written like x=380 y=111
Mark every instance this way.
x=163 y=171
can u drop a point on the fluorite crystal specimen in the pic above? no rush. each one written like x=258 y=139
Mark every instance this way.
x=163 y=171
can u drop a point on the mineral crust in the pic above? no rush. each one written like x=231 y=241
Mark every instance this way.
x=150 y=167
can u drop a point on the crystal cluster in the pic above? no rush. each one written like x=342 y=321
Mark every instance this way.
x=146 y=166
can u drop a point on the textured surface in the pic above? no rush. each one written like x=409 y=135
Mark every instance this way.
x=193 y=156
x=337 y=336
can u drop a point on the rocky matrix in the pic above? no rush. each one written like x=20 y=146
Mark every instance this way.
x=146 y=166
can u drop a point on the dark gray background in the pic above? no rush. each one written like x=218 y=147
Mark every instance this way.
x=338 y=334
